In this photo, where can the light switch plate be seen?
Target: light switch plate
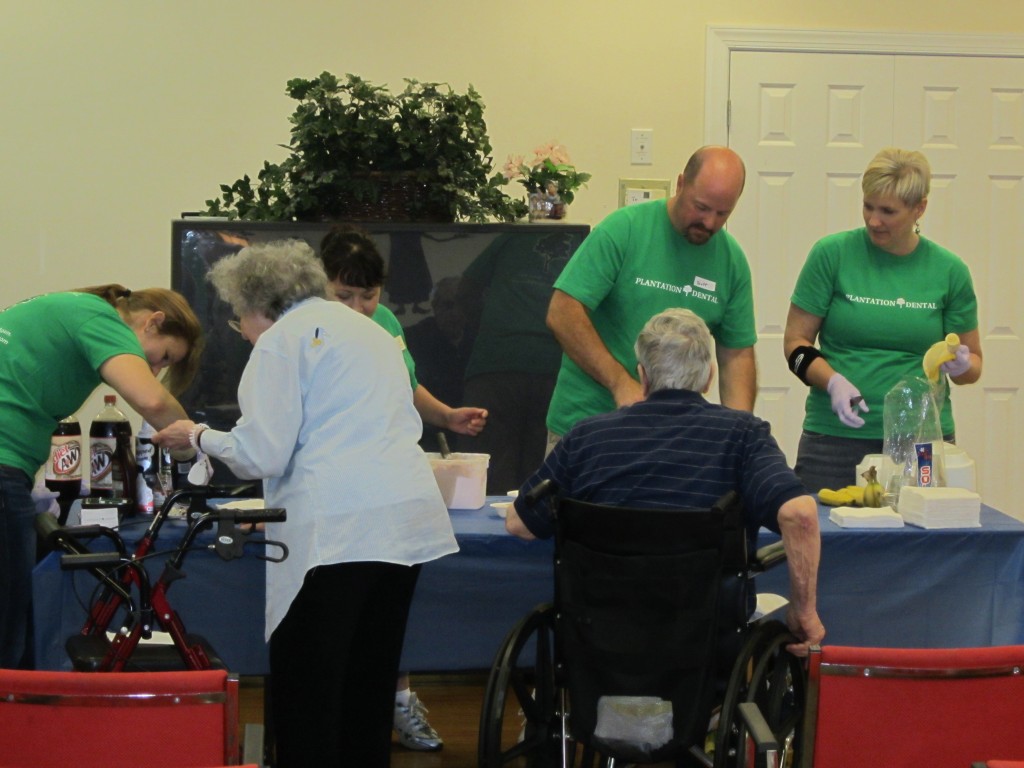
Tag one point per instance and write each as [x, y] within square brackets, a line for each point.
[632, 191]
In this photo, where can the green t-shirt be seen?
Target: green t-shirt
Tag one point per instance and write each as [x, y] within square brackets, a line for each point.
[386, 319]
[51, 350]
[633, 266]
[880, 314]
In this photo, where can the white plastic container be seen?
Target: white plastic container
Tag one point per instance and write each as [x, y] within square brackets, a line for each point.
[462, 478]
[960, 471]
[958, 468]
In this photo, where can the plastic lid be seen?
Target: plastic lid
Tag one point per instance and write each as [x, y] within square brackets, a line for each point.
[109, 399]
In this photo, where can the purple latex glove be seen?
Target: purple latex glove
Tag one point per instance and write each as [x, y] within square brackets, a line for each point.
[960, 364]
[45, 499]
[846, 399]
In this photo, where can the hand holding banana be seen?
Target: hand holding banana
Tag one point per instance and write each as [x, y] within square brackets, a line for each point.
[846, 399]
[948, 356]
[960, 364]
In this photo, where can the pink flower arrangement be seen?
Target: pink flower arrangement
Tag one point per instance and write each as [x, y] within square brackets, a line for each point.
[551, 171]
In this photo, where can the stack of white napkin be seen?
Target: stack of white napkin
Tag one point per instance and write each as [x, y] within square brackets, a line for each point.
[940, 507]
[865, 517]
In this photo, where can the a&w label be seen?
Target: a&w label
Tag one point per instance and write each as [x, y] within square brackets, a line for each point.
[65, 459]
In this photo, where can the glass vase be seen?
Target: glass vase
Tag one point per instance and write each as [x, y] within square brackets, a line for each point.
[540, 206]
[546, 206]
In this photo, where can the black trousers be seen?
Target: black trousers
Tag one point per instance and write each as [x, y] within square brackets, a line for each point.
[333, 663]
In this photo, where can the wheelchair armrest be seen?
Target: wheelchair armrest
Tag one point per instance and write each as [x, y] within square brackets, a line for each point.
[766, 746]
[541, 490]
[767, 557]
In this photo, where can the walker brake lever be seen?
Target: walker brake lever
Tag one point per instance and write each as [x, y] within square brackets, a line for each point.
[272, 558]
[231, 542]
[231, 539]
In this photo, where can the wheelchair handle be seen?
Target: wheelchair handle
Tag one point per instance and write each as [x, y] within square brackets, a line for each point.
[768, 556]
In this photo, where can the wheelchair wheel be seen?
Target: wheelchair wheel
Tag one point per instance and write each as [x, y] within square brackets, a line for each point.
[521, 721]
[766, 673]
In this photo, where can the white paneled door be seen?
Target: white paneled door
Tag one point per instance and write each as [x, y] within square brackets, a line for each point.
[807, 122]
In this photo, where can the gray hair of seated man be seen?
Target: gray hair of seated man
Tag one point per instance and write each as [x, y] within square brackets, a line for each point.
[268, 278]
[674, 348]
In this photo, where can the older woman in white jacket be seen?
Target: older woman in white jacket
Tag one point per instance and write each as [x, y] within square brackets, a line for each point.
[328, 423]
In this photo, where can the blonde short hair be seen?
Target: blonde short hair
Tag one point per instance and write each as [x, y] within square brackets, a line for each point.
[901, 173]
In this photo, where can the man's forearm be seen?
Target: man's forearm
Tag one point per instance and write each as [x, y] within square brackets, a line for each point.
[571, 325]
[737, 377]
[798, 522]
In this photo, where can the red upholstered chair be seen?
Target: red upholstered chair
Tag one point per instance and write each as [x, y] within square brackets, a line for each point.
[940, 708]
[186, 719]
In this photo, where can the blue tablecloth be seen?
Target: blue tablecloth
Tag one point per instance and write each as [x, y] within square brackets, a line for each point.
[914, 588]
[896, 587]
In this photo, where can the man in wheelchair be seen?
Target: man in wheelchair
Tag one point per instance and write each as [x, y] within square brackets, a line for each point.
[676, 450]
[644, 490]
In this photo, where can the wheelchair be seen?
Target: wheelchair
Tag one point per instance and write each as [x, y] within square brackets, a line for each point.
[127, 605]
[647, 633]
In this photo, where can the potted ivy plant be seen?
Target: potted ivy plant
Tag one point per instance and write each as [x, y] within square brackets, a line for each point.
[359, 152]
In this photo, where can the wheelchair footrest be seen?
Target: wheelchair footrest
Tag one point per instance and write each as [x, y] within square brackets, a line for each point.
[87, 653]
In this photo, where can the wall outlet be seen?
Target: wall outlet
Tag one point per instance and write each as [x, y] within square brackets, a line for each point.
[641, 142]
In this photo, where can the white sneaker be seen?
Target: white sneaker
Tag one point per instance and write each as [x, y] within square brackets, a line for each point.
[414, 732]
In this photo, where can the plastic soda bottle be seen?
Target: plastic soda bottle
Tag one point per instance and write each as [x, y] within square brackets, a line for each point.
[63, 472]
[112, 462]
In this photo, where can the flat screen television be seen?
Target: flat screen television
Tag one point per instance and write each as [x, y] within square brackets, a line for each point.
[471, 298]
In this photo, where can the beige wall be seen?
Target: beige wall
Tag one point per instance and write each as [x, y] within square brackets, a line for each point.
[116, 116]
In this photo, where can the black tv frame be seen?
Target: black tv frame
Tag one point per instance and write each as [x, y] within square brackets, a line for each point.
[444, 251]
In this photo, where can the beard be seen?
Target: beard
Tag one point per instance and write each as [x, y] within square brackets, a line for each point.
[697, 234]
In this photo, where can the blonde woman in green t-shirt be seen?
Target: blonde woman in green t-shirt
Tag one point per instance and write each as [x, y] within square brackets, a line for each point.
[874, 299]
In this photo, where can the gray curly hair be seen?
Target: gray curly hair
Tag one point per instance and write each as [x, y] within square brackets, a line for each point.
[674, 348]
[268, 278]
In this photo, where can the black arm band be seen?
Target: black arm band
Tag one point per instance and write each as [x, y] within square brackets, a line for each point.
[800, 360]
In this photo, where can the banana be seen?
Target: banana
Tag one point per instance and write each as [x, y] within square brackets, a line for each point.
[874, 494]
[937, 354]
[840, 498]
[857, 494]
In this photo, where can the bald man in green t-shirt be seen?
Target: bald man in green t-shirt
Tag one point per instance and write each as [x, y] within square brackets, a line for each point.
[641, 260]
